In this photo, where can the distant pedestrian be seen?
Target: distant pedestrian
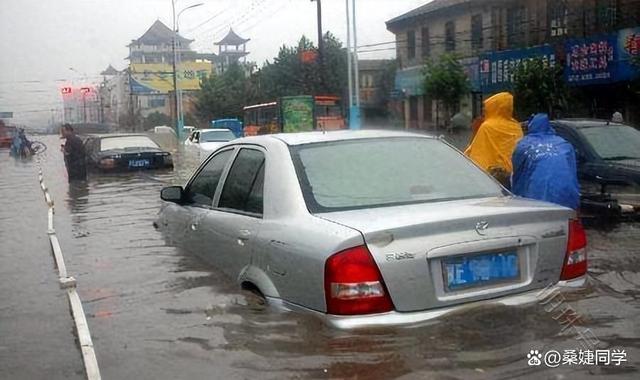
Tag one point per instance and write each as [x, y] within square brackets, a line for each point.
[74, 155]
[496, 138]
[617, 117]
[544, 166]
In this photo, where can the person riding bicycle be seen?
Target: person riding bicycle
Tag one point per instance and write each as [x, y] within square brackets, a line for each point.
[21, 146]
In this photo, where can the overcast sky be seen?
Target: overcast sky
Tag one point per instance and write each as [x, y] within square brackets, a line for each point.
[41, 40]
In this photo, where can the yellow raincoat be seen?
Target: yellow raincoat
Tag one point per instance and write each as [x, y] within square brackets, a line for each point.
[493, 145]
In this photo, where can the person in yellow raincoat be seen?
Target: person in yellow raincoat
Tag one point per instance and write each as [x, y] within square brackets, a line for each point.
[496, 139]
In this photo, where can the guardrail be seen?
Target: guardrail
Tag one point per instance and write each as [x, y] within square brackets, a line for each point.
[68, 283]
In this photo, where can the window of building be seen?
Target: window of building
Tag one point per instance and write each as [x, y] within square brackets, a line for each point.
[425, 43]
[156, 102]
[558, 18]
[450, 36]
[476, 32]
[516, 26]
[606, 15]
[411, 44]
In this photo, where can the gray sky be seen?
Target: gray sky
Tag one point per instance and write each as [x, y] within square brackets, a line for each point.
[41, 39]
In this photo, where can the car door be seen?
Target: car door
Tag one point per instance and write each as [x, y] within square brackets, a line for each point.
[181, 220]
[226, 233]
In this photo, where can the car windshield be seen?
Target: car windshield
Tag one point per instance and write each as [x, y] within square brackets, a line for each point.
[614, 142]
[125, 142]
[213, 136]
[374, 172]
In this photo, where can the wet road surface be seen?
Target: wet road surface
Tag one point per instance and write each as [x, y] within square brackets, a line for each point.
[156, 312]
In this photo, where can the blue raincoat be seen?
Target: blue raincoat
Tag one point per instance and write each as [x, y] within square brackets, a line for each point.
[544, 166]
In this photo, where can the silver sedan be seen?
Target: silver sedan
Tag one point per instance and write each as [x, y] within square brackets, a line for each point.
[370, 228]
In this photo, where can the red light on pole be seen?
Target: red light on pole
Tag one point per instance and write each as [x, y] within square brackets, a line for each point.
[66, 90]
[85, 90]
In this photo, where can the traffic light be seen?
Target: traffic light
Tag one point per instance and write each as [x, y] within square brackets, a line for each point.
[66, 90]
[85, 90]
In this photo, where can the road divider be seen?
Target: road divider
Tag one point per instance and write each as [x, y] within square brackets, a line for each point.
[68, 283]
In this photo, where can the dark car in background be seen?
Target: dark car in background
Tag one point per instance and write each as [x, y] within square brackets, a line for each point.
[121, 152]
[608, 161]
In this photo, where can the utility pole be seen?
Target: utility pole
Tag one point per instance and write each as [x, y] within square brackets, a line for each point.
[350, 79]
[320, 43]
[175, 80]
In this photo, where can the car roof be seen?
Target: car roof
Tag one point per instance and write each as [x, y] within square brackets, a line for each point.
[586, 123]
[214, 129]
[319, 136]
[106, 135]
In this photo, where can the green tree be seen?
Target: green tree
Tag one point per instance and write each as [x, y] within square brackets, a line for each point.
[224, 95]
[288, 74]
[446, 82]
[539, 87]
[155, 119]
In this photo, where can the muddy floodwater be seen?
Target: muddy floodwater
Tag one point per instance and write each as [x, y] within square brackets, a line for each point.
[156, 312]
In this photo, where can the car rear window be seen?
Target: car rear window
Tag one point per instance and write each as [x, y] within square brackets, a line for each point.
[613, 141]
[124, 142]
[366, 173]
[212, 136]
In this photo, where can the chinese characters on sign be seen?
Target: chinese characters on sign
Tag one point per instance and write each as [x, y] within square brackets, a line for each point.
[497, 69]
[590, 61]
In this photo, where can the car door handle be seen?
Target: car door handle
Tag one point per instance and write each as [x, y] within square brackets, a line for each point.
[244, 236]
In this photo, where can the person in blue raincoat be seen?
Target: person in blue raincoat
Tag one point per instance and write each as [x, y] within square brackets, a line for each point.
[544, 166]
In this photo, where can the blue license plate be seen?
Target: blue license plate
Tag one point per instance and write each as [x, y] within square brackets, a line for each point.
[139, 163]
[478, 270]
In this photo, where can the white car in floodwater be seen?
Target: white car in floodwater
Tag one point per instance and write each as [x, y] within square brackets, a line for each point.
[208, 140]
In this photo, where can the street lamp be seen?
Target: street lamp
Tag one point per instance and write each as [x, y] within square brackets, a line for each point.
[178, 98]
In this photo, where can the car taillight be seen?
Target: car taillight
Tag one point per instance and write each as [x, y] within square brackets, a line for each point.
[353, 284]
[575, 262]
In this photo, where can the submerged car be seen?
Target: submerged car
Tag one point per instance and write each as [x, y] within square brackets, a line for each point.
[608, 162]
[114, 152]
[369, 228]
[208, 140]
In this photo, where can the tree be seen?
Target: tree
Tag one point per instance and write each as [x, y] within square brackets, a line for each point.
[224, 95]
[446, 82]
[155, 119]
[539, 87]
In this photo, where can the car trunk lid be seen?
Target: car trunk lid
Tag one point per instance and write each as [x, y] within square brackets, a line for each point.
[427, 251]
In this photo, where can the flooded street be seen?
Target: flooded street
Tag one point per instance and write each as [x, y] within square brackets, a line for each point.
[156, 312]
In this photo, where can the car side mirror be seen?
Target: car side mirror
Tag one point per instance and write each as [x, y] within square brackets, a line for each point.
[173, 194]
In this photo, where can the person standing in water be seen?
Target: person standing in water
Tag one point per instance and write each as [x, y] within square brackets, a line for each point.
[74, 154]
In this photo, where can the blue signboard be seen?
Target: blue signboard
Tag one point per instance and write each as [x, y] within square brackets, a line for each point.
[591, 60]
[497, 68]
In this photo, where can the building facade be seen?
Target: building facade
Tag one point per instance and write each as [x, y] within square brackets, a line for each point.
[491, 36]
[150, 71]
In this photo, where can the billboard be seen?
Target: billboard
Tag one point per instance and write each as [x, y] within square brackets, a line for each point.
[628, 49]
[157, 78]
[297, 113]
[590, 60]
[497, 68]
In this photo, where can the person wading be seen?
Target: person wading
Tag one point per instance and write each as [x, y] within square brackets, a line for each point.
[544, 166]
[496, 138]
[74, 155]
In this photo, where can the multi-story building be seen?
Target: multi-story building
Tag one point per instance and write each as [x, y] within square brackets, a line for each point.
[491, 36]
[373, 91]
[151, 68]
